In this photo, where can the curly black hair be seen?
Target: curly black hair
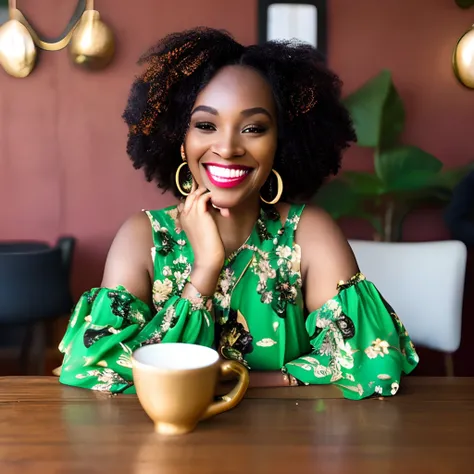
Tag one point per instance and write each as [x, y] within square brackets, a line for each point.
[313, 125]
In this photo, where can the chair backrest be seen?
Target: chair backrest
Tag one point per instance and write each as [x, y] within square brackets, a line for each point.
[34, 284]
[424, 282]
[67, 246]
[22, 246]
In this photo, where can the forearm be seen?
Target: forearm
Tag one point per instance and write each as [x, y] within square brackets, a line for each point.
[202, 280]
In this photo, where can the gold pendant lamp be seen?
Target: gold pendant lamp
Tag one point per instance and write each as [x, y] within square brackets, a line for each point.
[463, 59]
[17, 47]
[91, 42]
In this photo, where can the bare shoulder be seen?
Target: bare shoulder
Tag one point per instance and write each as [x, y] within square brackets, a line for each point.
[326, 256]
[129, 261]
[319, 230]
[136, 229]
[313, 216]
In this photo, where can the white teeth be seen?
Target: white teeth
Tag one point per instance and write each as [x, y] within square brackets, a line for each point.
[219, 172]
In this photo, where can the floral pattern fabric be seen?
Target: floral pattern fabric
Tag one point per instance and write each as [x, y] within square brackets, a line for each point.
[256, 316]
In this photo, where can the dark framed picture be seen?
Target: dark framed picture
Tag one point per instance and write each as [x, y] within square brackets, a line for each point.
[4, 16]
[294, 19]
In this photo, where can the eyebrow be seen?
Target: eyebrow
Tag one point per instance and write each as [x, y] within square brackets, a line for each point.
[255, 111]
[244, 113]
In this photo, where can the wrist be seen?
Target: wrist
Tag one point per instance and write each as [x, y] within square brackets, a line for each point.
[204, 280]
[197, 300]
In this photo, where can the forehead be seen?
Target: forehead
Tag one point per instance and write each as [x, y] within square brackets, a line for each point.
[237, 87]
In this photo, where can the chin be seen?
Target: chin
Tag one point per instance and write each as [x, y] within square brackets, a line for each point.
[229, 196]
[224, 202]
[227, 199]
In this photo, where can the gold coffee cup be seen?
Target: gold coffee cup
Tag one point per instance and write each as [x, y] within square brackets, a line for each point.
[176, 384]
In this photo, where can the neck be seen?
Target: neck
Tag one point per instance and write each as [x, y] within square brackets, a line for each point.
[236, 228]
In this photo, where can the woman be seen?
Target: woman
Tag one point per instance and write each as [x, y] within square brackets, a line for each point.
[242, 132]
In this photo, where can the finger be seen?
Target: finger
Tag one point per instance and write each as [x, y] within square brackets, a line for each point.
[224, 212]
[180, 207]
[189, 204]
[201, 187]
[191, 198]
[202, 203]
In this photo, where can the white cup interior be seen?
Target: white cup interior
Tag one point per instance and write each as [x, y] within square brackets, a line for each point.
[176, 356]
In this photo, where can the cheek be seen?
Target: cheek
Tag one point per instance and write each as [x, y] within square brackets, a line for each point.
[194, 144]
[195, 147]
[264, 152]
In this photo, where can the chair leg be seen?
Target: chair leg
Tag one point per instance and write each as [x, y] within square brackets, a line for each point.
[26, 350]
[449, 364]
[40, 348]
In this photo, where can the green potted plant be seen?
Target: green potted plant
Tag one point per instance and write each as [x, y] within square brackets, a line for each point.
[405, 177]
[465, 3]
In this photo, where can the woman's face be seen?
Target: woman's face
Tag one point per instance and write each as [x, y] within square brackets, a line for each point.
[232, 136]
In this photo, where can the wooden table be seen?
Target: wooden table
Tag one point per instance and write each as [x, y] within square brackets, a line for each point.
[427, 428]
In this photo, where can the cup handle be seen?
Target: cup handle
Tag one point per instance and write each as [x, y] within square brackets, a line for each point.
[234, 397]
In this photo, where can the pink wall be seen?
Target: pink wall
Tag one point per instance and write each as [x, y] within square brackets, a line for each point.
[63, 167]
[414, 39]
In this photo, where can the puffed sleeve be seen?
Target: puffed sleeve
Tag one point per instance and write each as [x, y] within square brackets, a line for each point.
[107, 325]
[359, 344]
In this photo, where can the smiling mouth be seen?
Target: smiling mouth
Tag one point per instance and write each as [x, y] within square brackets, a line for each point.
[226, 176]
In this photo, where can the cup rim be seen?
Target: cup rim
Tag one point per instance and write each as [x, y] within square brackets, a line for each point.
[149, 367]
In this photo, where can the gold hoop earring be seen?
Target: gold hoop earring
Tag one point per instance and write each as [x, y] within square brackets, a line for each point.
[187, 186]
[279, 192]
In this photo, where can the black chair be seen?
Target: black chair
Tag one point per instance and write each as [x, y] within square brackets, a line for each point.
[34, 288]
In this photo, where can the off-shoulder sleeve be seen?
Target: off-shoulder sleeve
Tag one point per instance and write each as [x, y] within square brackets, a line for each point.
[359, 344]
[107, 325]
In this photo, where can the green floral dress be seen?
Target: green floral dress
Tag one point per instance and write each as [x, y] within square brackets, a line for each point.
[355, 340]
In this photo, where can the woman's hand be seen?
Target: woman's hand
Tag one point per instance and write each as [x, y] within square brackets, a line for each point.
[260, 379]
[197, 221]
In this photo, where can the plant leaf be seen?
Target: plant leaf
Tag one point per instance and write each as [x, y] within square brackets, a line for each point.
[393, 118]
[337, 198]
[465, 3]
[406, 168]
[422, 196]
[377, 111]
[364, 184]
[448, 179]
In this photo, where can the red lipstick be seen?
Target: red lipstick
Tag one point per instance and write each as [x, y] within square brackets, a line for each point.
[226, 176]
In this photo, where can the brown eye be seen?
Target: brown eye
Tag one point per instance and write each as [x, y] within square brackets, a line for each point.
[254, 129]
[206, 126]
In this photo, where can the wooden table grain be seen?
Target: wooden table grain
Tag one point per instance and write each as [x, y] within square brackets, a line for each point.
[427, 428]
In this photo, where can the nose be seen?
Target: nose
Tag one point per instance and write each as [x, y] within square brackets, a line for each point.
[228, 145]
